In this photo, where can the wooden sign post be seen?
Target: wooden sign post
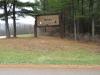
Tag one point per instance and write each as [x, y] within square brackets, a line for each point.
[35, 27]
[49, 20]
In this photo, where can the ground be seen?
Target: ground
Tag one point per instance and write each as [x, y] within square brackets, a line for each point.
[48, 50]
[48, 71]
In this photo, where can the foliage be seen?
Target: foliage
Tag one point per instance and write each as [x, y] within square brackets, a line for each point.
[73, 10]
[9, 7]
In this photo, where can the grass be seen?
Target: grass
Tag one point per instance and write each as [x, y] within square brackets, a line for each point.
[48, 51]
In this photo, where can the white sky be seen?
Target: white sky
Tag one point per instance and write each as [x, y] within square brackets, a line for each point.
[27, 0]
[1, 11]
[26, 19]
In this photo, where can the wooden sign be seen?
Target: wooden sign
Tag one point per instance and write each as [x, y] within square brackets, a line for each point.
[48, 20]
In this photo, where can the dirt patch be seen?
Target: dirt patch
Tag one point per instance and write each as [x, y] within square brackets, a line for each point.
[48, 43]
[96, 67]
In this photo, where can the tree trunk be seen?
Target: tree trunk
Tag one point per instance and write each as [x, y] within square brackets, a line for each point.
[78, 25]
[82, 7]
[93, 24]
[6, 20]
[93, 28]
[74, 14]
[14, 19]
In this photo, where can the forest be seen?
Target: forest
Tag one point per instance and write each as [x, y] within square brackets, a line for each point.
[81, 18]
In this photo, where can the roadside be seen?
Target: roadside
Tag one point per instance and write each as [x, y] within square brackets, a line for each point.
[48, 50]
[47, 71]
[95, 67]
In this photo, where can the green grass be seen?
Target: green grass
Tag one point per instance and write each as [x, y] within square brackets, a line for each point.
[48, 51]
[79, 57]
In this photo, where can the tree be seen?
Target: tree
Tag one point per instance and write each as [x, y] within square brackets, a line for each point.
[93, 24]
[14, 18]
[81, 14]
[12, 5]
[6, 19]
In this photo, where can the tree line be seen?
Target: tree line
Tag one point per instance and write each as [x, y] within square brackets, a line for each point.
[9, 7]
[79, 16]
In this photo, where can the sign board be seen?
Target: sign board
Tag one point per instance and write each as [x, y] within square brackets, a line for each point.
[48, 20]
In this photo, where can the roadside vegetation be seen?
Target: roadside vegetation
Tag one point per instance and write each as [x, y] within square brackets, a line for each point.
[48, 50]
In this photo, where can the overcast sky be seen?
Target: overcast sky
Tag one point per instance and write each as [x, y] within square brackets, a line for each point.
[26, 20]
[27, 0]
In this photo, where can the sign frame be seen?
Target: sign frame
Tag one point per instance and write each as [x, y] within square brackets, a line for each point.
[48, 23]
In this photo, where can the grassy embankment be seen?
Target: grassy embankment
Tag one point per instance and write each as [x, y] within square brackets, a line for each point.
[48, 51]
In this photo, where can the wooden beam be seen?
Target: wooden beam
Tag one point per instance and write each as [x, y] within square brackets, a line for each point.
[35, 27]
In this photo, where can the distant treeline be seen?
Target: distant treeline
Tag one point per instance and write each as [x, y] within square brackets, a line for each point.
[21, 29]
